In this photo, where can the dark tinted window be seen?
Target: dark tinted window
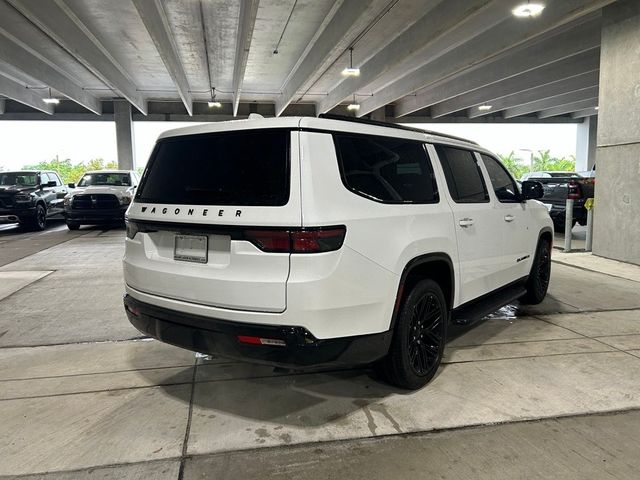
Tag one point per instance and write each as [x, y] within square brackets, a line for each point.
[236, 168]
[386, 169]
[502, 183]
[463, 175]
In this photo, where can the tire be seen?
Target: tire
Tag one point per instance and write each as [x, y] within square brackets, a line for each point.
[538, 281]
[73, 226]
[413, 359]
[39, 221]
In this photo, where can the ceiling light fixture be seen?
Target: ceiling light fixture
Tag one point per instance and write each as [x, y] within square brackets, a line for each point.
[527, 10]
[596, 108]
[350, 71]
[484, 108]
[50, 100]
[353, 107]
[213, 103]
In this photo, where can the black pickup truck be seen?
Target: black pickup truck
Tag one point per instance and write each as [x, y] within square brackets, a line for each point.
[30, 198]
[560, 186]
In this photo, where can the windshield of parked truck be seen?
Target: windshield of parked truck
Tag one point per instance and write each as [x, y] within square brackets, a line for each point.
[21, 179]
[111, 179]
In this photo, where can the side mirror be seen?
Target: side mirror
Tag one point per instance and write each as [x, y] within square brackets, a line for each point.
[71, 185]
[532, 190]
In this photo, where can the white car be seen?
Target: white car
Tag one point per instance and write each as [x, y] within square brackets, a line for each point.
[311, 241]
[100, 197]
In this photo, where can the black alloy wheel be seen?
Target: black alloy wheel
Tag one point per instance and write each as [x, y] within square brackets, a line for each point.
[419, 337]
[41, 217]
[538, 281]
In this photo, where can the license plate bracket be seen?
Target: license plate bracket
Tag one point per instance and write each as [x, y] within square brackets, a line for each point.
[191, 248]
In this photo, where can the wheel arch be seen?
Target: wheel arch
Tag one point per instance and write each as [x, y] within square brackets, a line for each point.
[435, 266]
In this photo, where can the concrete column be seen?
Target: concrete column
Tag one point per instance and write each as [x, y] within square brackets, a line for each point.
[586, 143]
[124, 134]
[1, 106]
[616, 227]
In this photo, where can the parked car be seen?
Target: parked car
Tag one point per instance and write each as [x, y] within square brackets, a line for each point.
[313, 241]
[30, 197]
[101, 197]
[560, 186]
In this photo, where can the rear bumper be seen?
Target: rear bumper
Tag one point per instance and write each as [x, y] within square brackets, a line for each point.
[89, 216]
[220, 337]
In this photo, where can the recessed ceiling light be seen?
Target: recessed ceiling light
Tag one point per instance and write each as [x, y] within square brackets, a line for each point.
[354, 107]
[528, 10]
[484, 108]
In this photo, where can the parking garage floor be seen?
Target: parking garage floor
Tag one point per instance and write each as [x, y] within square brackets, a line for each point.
[531, 392]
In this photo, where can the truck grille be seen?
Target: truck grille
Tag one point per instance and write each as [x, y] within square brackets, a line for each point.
[99, 201]
[6, 202]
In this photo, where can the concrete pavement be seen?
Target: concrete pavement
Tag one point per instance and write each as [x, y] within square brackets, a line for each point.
[82, 396]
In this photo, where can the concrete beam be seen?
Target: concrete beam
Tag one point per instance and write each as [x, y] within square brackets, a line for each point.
[124, 134]
[513, 33]
[587, 112]
[551, 102]
[58, 21]
[531, 85]
[440, 30]
[332, 37]
[31, 59]
[246, 22]
[155, 20]
[580, 42]
[569, 108]
[561, 87]
[21, 94]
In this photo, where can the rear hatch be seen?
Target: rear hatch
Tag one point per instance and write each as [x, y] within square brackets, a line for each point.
[202, 212]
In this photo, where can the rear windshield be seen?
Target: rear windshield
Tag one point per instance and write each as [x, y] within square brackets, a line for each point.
[232, 168]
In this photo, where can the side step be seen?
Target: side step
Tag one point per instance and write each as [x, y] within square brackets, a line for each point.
[480, 308]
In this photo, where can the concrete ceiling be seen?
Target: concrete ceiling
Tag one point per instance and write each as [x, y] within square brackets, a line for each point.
[420, 60]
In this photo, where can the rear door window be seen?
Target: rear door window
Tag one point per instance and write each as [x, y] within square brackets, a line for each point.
[249, 167]
[463, 175]
[386, 169]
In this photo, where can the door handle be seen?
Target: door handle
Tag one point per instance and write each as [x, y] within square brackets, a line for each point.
[466, 222]
[509, 218]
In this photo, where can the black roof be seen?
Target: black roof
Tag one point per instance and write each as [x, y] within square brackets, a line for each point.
[367, 121]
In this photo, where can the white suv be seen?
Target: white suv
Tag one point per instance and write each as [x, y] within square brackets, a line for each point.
[308, 241]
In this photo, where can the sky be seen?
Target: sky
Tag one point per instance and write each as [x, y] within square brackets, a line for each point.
[28, 142]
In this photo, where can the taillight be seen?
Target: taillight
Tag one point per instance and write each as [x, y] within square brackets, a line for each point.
[574, 192]
[304, 240]
[269, 240]
[132, 228]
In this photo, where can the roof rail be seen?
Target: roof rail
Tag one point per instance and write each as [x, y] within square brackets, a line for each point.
[367, 121]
